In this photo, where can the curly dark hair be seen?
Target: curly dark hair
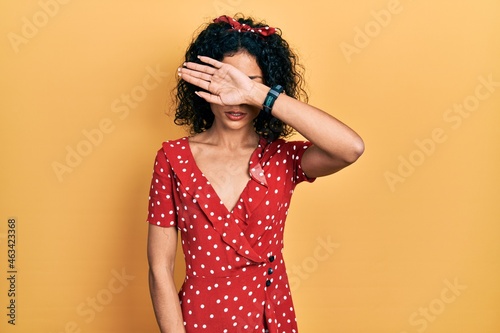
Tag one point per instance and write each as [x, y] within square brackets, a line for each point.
[279, 65]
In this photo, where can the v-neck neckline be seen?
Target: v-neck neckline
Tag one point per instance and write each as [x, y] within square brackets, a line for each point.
[209, 183]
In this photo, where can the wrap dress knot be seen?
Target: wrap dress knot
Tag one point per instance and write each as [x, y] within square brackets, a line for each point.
[236, 278]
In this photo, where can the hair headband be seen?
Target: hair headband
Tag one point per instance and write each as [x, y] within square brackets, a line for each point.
[242, 27]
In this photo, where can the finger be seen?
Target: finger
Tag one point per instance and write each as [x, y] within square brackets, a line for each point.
[203, 84]
[211, 61]
[200, 67]
[193, 73]
[214, 99]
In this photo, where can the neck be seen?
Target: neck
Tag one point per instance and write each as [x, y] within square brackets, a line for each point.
[232, 139]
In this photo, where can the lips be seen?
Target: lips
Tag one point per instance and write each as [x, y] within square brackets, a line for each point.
[235, 116]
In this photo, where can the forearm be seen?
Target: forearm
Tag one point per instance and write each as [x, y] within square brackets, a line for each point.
[330, 135]
[165, 301]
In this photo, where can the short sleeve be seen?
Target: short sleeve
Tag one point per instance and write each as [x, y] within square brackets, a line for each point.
[162, 210]
[296, 150]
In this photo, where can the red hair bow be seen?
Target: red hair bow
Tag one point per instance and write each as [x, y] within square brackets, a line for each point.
[242, 27]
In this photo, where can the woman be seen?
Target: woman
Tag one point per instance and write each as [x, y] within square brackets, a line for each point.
[227, 188]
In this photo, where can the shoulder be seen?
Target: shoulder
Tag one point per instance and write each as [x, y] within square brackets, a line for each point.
[177, 142]
[169, 149]
[170, 146]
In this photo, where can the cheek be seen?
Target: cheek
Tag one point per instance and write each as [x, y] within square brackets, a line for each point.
[215, 108]
[252, 109]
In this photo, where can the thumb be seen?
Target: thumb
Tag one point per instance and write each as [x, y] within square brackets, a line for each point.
[209, 97]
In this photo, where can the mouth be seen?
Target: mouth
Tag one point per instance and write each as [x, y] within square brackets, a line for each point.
[235, 116]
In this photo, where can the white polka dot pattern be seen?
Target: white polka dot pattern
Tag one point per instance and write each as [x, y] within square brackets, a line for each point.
[235, 275]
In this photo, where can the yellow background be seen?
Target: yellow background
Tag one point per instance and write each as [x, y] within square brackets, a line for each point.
[396, 244]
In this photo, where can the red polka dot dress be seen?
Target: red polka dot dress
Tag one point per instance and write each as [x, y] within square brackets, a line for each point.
[235, 273]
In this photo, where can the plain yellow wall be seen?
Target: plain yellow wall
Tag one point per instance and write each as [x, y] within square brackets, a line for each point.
[404, 241]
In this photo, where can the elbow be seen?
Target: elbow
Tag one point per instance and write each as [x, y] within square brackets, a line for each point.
[160, 272]
[153, 275]
[356, 149]
[159, 279]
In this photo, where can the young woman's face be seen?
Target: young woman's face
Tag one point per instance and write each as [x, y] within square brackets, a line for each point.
[239, 116]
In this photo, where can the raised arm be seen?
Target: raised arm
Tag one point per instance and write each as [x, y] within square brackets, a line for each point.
[162, 246]
[335, 145]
